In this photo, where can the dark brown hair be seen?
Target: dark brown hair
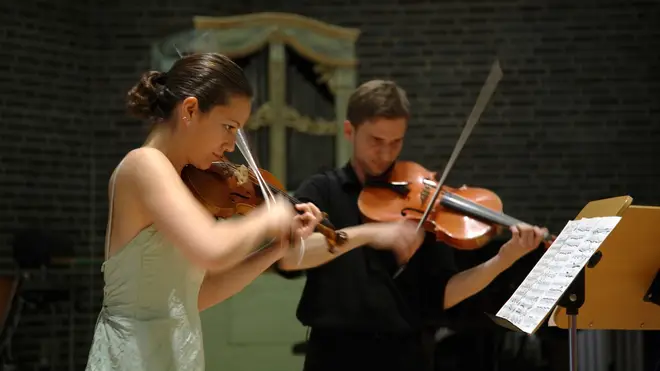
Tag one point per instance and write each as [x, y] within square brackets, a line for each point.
[377, 99]
[210, 77]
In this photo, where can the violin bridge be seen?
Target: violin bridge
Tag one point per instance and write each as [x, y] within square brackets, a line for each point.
[425, 193]
[429, 183]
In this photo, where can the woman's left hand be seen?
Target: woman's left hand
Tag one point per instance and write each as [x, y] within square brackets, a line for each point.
[307, 221]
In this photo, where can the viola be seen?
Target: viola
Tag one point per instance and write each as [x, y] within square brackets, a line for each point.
[227, 189]
[465, 218]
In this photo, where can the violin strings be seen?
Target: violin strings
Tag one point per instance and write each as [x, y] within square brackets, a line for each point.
[464, 205]
[243, 147]
[254, 179]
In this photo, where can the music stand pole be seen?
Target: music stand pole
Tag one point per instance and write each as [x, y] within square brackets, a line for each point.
[572, 300]
[572, 341]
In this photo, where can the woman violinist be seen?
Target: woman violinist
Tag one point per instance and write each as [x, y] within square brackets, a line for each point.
[166, 257]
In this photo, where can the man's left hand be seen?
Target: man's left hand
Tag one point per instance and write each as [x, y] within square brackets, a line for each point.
[524, 239]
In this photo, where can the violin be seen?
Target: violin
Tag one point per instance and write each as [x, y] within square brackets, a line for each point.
[465, 218]
[227, 189]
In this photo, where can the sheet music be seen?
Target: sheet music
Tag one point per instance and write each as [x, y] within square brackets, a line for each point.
[555, 271]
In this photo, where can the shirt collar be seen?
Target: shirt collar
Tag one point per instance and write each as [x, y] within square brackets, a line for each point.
[348, 177]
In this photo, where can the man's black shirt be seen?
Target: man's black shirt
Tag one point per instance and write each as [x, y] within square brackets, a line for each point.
[356, 293]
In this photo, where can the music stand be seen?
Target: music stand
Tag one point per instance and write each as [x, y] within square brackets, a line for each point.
[620, 289]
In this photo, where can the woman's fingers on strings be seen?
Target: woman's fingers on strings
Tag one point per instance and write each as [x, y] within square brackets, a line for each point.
[304, 207]
[316, 211]
[306, 218]
[312, 209]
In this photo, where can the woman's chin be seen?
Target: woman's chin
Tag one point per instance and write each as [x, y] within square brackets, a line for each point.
[209, 164]
[209, 161]
[203, 164]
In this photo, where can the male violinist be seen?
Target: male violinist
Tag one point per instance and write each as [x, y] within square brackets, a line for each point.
[361, 316]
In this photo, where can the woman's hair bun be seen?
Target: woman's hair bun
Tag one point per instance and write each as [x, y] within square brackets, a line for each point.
[142, 99]
[211, 78]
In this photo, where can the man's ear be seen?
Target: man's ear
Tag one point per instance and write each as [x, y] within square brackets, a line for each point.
[349, 131]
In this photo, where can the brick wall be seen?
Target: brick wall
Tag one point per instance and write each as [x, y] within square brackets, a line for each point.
[64, 72]
[45, 138]
[574, 118]
[44, 84]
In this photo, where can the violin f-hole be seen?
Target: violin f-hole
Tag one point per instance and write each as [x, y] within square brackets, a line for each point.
[239, 195]
[406, 210]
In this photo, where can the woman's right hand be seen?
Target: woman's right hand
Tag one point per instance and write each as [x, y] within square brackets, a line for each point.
[402, 238]
[279, 218]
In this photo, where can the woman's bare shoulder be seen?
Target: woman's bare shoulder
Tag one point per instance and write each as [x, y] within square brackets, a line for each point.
[144, 167]
[144, 174]
[146, 159]
[140, 171]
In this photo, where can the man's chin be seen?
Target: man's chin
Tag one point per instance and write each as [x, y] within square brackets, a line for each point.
[378, 171]
[375, 174]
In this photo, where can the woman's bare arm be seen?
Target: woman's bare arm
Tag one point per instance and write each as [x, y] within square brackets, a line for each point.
[316, 251]
[402, 238]
[219, 286]
[183, 220]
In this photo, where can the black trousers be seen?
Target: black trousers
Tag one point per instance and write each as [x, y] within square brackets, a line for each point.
[352, 351]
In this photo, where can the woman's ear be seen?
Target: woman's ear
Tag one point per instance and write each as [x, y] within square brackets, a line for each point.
[189, 108]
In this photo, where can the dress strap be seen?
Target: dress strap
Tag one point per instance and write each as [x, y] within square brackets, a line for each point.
[108, 231]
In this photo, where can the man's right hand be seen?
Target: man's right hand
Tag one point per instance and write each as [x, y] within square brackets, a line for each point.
[402, 238]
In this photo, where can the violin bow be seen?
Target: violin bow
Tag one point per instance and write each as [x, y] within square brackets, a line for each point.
[242, 145]
[485, 94]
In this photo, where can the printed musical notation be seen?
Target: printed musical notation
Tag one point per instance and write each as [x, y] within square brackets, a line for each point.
[555, 271]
